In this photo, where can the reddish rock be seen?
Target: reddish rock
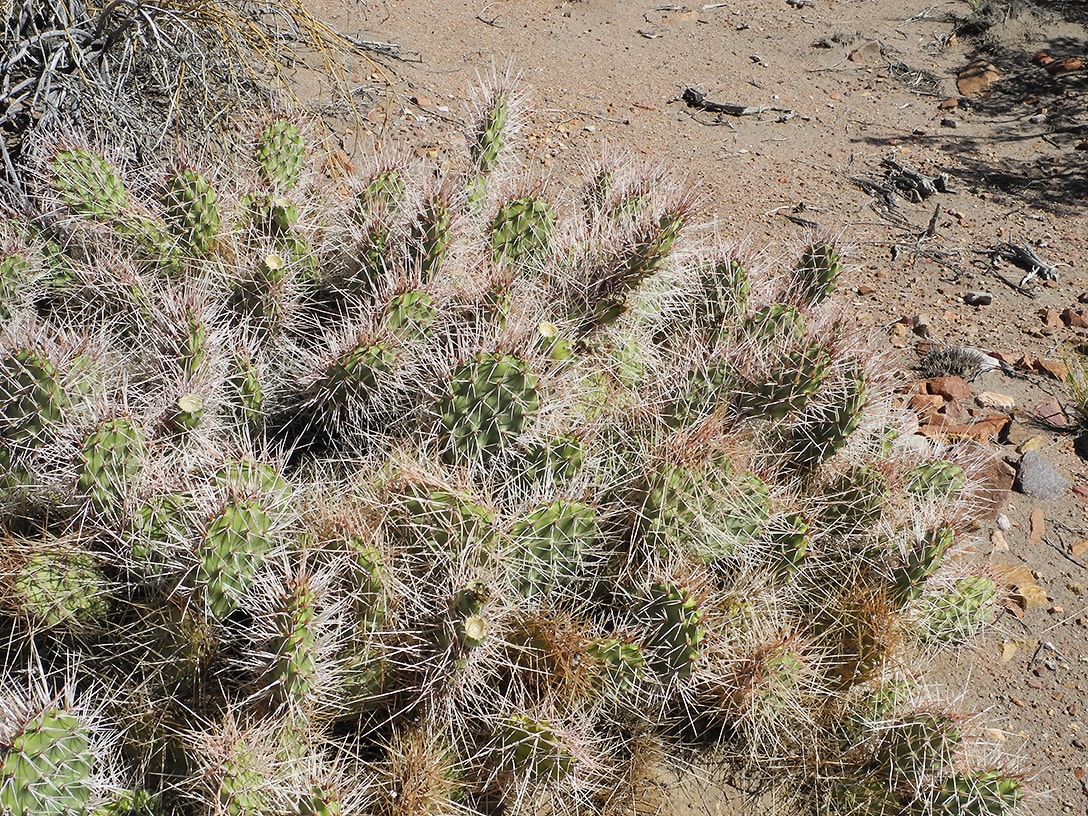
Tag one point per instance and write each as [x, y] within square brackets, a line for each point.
[941, 426]
[1038, 527]
[1081, 492]
[1054, 369]
[951, 388]
[1051, 412]
[1051, 318]
[1077, 318]
[987, 428]
[996, 478]
[926, 405]
[957, 411]
[976, 78]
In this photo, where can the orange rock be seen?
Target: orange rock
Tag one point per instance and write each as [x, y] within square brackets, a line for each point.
[1055, 369]
[1069, 65]
[926, 405]
[976, 78]
[1037, 527]
[951, 388]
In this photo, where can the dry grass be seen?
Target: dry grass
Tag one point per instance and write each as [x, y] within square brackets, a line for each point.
[153, 70]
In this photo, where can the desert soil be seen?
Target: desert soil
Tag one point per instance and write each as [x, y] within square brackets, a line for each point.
[848, 84]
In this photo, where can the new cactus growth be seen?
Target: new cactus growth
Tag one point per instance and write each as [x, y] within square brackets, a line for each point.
[676, 630]
[520, 231]
[88, 184]
[110, 463]
[816, 276]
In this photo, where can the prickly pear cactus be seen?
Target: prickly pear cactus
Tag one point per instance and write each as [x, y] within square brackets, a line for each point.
[420, 493]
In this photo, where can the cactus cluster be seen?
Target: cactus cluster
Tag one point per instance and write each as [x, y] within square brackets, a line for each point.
[408, 498]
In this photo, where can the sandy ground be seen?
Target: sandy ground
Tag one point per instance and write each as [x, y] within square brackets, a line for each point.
[848, 84]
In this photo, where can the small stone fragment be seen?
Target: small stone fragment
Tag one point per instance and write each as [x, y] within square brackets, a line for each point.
[1037, 478]
[1081, 492]
[1079, 549]
[1003, 523]
[996, 400]
[1038, 527]
[1051, 412]
[997, 539]
[978, 298]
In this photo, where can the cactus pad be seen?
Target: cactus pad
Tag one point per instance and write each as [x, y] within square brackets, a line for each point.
[489, 403]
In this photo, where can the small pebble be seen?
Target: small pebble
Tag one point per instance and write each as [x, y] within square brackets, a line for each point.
[949, 123]
[1003, 522]
[978, 298]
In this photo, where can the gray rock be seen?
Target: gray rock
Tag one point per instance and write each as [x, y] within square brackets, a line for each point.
[1036, 477]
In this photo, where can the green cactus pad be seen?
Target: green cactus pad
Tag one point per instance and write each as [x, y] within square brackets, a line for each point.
[111, 461]
[432, 235]
[381, 195]
[824, 426]
[192, 210]
[232, 552]
[922, 560]
[550, 549]
[410, 314]
[521, 231]
[47, 767]
[958, 612]
[291, 675]
[88, 184]
[487, 142]
[815, 277]
[675, 619]
[245, 394]
[622, 664]
[281, 154]
[854, 500]
[14, 271]
[32, 396]
[936, 479]
[60, 590]
[442, 520]
[490, 401]
[531, 749]
[916, 747]
[979, 793]
[787, 386]
[776, 326]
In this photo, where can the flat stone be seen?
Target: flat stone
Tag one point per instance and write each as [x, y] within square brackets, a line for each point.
[987, 428]
[1036, 477]
[951, 388]
[1076, 318]
[957, 411]
[1051, 412]
[996, 400]
[926, 405]
[1055, 369]
[996, 479]
[976, 78]
[1051, 318]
